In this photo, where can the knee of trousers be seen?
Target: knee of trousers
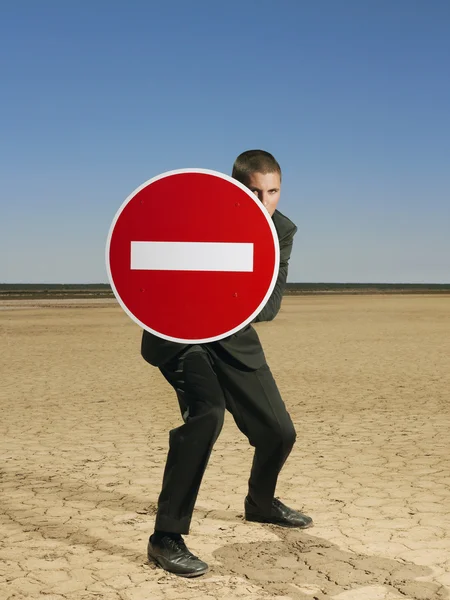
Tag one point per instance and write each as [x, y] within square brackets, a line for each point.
[203, 428]
[290, 436]
[279, 436]
[213, 419]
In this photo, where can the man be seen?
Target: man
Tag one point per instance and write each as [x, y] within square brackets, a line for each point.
[231, 374]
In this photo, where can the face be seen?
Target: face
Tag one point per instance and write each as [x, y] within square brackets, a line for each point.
[267, 188]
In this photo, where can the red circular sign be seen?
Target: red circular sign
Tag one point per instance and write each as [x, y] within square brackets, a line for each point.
[192, 256]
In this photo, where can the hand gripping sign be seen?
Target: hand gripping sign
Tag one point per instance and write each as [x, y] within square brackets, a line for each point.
[192, 256]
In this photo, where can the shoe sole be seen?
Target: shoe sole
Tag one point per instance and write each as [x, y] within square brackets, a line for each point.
[287, 526]
[161, 564]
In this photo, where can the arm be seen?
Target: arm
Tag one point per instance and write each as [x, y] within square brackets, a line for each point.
[272, 307]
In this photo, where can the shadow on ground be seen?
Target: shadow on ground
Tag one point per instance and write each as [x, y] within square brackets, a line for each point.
[298, 566]
[303, 567]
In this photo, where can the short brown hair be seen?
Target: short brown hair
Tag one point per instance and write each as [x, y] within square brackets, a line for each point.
[254, 161]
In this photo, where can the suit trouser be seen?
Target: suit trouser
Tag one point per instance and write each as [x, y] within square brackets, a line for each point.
[207, 384]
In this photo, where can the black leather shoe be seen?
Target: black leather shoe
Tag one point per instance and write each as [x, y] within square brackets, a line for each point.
[280, 515]
[171, 553]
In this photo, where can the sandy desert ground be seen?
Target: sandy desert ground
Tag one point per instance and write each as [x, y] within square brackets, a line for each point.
[83, 440]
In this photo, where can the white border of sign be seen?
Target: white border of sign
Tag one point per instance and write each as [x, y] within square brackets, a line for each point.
[272, 283]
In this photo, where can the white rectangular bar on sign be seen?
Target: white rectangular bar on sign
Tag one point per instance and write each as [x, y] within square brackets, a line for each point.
[192, 256]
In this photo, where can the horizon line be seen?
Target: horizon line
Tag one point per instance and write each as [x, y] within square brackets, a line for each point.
[288, 283]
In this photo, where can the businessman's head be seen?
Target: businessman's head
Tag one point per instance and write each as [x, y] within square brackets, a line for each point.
[260, 172]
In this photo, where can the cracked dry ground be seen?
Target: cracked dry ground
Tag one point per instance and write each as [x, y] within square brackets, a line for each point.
[84, 437]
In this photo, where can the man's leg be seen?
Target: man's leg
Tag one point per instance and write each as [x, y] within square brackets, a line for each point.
[202, 405]
[252, 396]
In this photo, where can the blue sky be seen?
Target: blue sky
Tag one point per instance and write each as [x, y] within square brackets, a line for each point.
[351, 96]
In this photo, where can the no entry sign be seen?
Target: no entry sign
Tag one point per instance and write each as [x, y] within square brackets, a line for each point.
[192, 256]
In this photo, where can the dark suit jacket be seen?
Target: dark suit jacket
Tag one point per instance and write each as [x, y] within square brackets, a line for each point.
[244, 346]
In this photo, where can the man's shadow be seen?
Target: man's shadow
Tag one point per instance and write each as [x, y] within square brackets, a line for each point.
[299, 566]
[53, 491]
[303, 567]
